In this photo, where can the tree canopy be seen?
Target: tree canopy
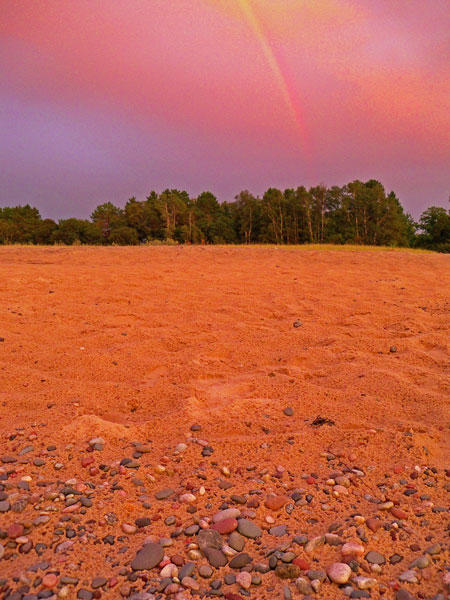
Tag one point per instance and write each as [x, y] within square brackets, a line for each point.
[356, 213]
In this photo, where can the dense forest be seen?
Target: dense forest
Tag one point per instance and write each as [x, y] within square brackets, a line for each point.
[357, 213]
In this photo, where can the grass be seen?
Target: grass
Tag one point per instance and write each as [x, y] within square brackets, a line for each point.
[321, 247]
[339, 247]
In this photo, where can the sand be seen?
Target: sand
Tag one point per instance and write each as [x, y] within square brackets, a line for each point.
[138, 344]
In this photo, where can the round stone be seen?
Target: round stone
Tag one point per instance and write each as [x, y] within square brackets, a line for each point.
[244, 579]
[249, 529]
[339, 572]
[375, 558]
[225, 526]
[50, 580]
[205, 571]
[98, 582]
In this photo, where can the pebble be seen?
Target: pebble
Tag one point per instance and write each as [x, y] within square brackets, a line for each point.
[205, 571]
[339, 572]
[236, 541]
[50, 580]
[129, 529]
[244, 579]
[275, 503]
[303, 586]
[186, 570]
[373, 524]
[364, 583]
[352, 549]
[209, 538]
[316, 542]
[421, 563]
[147, 557]
[225, 526]
[190, 583]
[289, 571]
[408, 577]
[434, 549]
[240, 561]
[98, 582]
[228, 513]
[404, 595]
[359, 594]
[249, 529]
[375, 558]
[215, 557]
[398, 514]
[163, 494]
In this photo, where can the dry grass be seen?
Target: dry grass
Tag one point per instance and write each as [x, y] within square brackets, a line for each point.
[341, 247]
[323, 247]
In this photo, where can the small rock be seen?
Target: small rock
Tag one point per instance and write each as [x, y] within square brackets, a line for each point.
[339, 572]
[190, 583]
[215, 557]
[147, 557]
[375, 558]
[314, 543]
[303, 586]
[275, 502]
[240, 561]
[249, 529]
[420, 563]
[244, 579]
[50, 580]
[289, 571]
[209, 538]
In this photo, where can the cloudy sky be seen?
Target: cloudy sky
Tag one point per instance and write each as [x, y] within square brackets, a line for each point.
[104, 99]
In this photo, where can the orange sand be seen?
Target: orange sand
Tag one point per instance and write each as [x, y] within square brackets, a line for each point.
[140, 343]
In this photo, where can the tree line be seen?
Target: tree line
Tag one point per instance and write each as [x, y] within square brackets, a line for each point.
[357, 213]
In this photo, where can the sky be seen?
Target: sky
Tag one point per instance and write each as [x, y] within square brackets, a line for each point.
[101, 100]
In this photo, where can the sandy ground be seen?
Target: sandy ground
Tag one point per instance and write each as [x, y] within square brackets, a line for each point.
[135, 345]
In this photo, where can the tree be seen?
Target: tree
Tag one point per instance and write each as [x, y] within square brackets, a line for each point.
[43, 231]
[105, 217]
[73, 231]
[434, 229]
[124, 236]
[19, 224]
[274, 207]
[247, 213]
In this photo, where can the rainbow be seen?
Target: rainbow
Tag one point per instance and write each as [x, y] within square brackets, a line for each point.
[287, 90]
